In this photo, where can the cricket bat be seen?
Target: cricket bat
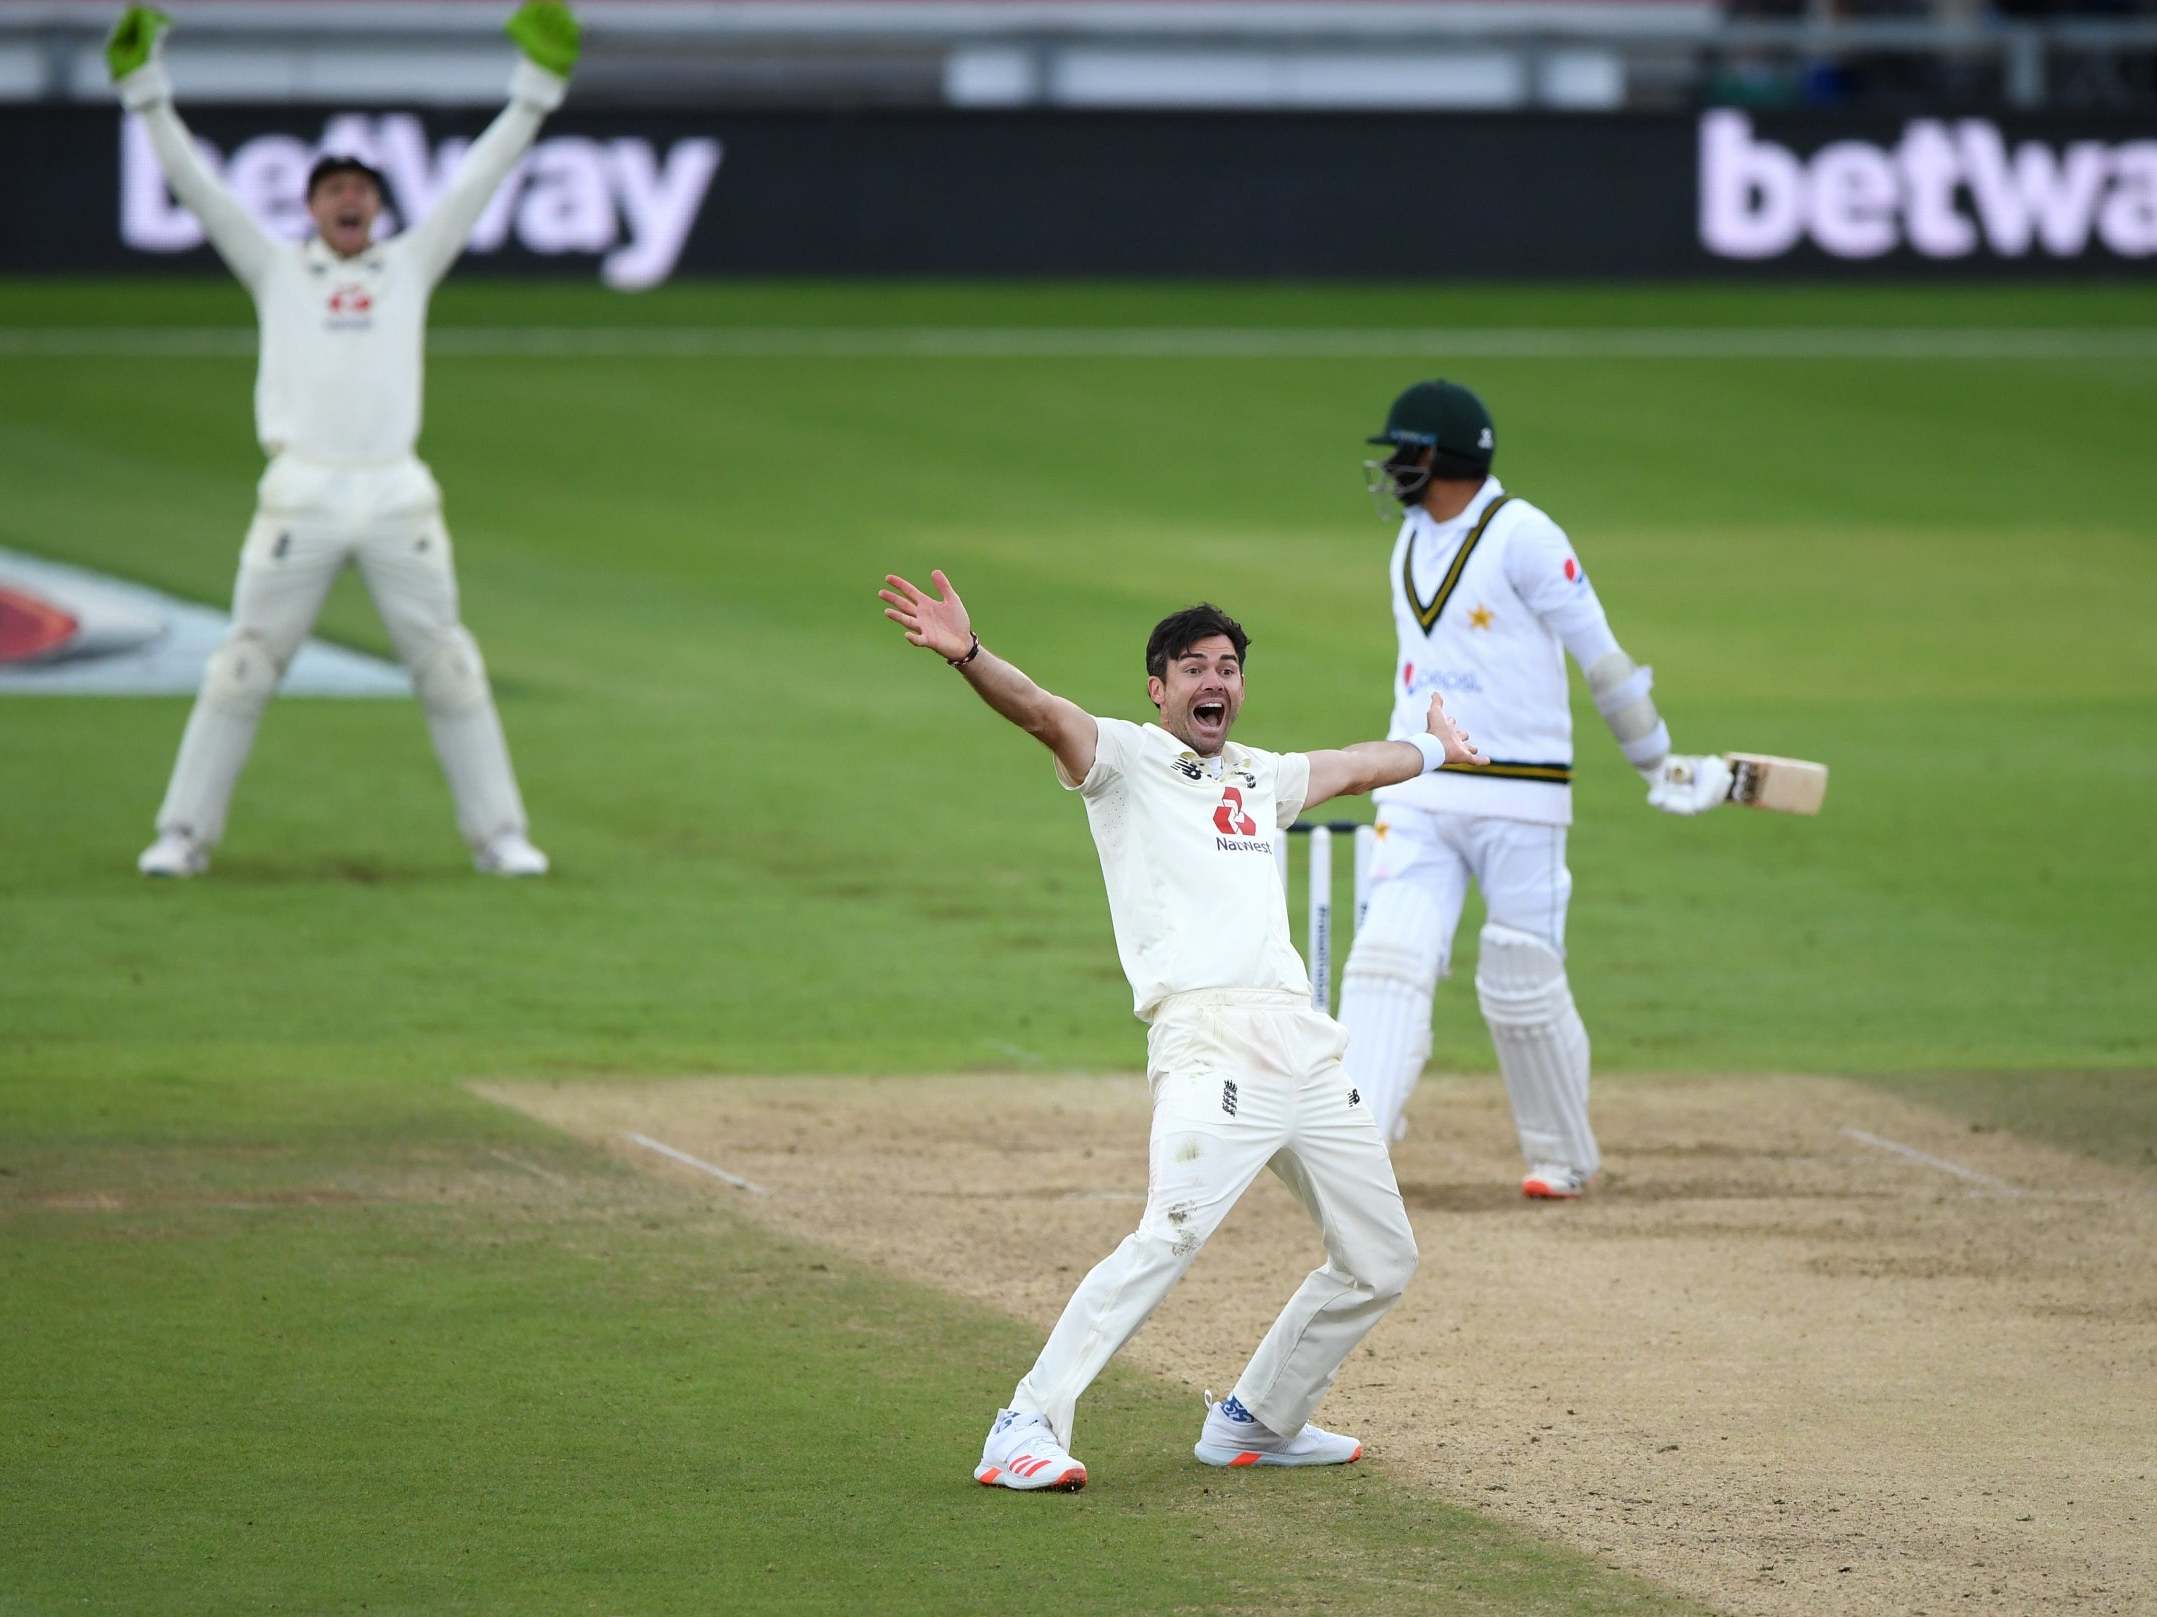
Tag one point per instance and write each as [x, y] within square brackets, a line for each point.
[1781, 785]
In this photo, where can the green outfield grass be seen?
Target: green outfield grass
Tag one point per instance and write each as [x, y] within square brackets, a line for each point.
[308, 1329]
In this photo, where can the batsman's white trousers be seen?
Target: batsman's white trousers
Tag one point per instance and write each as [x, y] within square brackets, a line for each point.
[1519, 865]
[1244, 1080]
[312, 521]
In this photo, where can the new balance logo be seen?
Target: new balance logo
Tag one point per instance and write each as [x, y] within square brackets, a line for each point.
[1228, 1096]
[1355, 1098]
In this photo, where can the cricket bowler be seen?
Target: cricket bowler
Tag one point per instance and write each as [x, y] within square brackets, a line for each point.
[337, 409]
[1488, 597]
[1244, 1073]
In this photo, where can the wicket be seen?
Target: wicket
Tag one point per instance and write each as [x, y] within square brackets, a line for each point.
[1318, 935]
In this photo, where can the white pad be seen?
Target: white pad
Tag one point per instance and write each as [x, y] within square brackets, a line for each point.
[467, 733]
[1542, 1046]
[1393, 969]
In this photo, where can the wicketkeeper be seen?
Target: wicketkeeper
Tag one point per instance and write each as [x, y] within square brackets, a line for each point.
[337, 408]
[1488, 597]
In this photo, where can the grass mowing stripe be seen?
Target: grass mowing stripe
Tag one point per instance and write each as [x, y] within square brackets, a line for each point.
[461, 1389]
[1146, 342]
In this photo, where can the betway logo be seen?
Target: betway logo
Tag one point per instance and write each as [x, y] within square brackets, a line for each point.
[567, 195]
[1945, 190]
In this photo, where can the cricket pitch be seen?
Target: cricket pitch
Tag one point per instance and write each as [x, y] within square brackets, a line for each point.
[1804, 1348]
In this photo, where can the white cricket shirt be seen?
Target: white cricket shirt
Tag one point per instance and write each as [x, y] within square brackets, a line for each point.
[343, 339]
[1485, 607]
[1186, 847]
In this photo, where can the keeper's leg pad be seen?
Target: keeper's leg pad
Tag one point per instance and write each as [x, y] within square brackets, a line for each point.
[451, 680]
[1542, 1046]
[1393, 969]
[238, 681]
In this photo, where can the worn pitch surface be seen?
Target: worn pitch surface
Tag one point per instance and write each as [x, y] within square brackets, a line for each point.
[1768, 1362]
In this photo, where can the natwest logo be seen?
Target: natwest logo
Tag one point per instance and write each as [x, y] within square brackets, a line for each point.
[624, 200]
[1231, 818]
[1944, 190]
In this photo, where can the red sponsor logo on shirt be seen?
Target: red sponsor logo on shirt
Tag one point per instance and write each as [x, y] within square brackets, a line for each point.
[1573, 574]
[1230, 818]
[350, 299]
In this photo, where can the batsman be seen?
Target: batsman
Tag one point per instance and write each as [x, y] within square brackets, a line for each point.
[343, 321]
[1488, 597]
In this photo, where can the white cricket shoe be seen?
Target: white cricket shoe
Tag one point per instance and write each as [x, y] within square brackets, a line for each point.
[174, 853]
[1021, 1452]
[1553, 1182]
[1233, 1437]
[510, 854]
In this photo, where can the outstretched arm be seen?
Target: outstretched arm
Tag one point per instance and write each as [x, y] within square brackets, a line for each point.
[549, 38]
[942, 626]
[145, 89]
[1368, 765]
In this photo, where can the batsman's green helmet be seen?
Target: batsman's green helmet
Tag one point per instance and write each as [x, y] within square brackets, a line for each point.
[1443, 416]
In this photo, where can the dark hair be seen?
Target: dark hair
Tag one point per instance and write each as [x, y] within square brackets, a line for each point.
[1180, 631]
[329, 167]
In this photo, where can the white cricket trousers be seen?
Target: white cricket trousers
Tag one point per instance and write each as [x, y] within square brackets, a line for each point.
[311, 521]
[1244, 1080]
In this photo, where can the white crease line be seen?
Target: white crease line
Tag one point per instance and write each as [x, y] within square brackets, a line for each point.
[528, 1167]
[1930, 1161]
[665, 1150]
[1150, 342]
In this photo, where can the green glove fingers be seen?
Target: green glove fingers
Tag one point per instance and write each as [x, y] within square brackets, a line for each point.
[134, 40]
[546, 32]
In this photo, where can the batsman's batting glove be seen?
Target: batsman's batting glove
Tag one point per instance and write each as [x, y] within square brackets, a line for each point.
[548, 34]
[132, 45]
[1688, 785]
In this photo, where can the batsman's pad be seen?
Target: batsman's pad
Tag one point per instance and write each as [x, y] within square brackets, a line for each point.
[1393, 969]
[1784, 785]
[1542, 1046]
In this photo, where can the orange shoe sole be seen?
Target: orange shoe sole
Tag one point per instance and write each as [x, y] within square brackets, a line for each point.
[1070, 1482]
[1250, 1457]
[1537, 1190]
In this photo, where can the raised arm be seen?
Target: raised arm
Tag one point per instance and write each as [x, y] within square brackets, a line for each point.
[942, 626]
[145, 89]
[1368, 765]
[549, 39]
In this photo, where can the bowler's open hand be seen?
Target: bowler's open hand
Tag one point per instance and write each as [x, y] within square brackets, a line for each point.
[1440, 724]
[940, 625]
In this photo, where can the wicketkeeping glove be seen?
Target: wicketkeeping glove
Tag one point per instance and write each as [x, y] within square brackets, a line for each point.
[546, 32]
[133, 40]
[1687, 785]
